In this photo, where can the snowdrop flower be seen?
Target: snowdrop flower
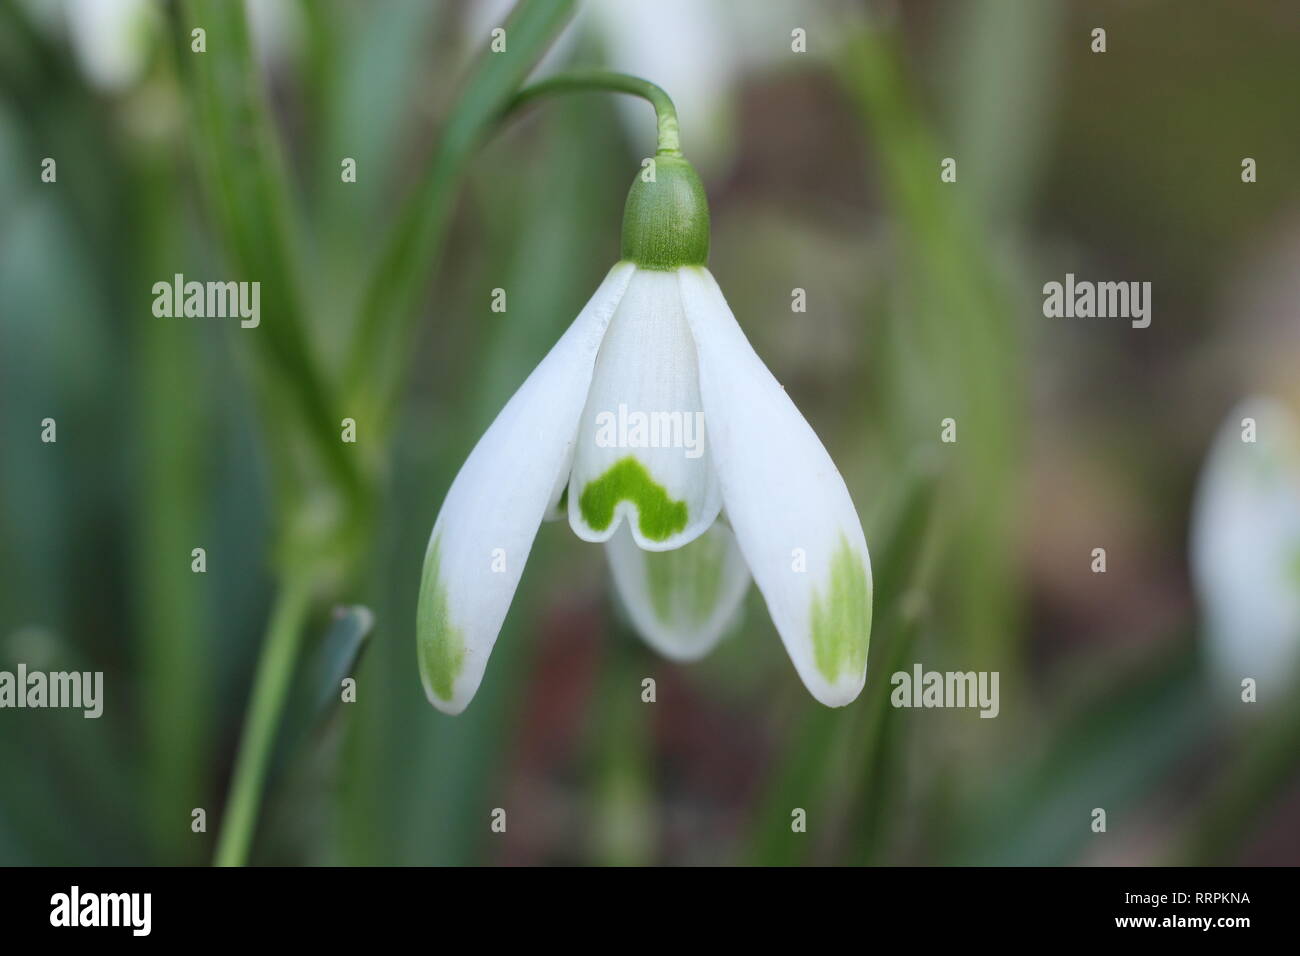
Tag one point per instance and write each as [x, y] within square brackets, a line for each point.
[654, 428]
[1245, 550]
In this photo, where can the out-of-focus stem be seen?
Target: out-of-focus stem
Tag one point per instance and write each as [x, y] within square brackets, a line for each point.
[274, 674]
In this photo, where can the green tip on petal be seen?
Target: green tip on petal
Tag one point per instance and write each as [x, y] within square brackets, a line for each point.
[441, 646]
[666, 219]
[841, 620]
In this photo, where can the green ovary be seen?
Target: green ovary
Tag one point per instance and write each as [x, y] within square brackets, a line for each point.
[658, 516]
[841, 621]
[441, 646]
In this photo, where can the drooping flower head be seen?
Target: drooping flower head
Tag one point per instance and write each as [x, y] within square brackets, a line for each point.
[654, 428]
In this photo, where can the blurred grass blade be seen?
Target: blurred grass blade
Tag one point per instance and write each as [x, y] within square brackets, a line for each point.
[389, 314]
[365, 64]
[960, 320]
[335, 659]
[1268, 762]
[879, 742]
[1003, 91]
[622, 808]
[172, 516]
[250, 195]
[318, 686]
[1110, 752]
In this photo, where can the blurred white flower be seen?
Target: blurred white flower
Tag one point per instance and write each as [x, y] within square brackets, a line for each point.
[276, 28]
[111, 39]
[1245, 551]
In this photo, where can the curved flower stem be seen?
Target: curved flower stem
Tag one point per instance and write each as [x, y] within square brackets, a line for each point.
[588, 81]
[274, 673]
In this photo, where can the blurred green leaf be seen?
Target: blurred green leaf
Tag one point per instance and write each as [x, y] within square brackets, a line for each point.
[1110, 751]
[337, 657]
[1248, 786]
[250, 196]
[964, 344]
[389, 314]
[317, 689]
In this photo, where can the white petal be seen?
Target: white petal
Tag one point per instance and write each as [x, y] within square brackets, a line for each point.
[1245, 546]
[788, 505]
[486, 527]
[642, 452]
[681, 601]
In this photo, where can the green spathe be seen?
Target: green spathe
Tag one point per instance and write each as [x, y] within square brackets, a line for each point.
[659, 517]
[442, 647]
[666, 221]
[841, 619]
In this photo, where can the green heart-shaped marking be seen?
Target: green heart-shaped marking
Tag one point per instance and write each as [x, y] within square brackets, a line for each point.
[658, 516]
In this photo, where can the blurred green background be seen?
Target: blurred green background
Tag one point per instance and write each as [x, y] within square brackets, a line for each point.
[924, 302]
